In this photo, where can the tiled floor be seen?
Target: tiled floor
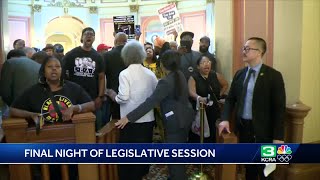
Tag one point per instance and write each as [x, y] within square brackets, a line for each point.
[160, 172]
[156, 172]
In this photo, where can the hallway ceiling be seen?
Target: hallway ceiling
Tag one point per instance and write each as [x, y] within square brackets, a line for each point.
[93, 2]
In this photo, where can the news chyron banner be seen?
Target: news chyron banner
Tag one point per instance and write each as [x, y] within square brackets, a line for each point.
[159, 153]
[170, 18]
[124, 24]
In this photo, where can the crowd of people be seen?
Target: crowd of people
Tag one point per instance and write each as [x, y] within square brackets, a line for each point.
[148, 87]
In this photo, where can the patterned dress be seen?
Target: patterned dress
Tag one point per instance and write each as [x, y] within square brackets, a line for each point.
[159, 129]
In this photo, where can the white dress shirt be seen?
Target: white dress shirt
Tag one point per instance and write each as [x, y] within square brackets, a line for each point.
[136, 84]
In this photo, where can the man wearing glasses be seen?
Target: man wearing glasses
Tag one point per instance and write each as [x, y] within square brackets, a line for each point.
[258, 94]
[83, 65]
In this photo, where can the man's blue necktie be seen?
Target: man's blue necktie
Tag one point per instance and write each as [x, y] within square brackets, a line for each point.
[244, 92]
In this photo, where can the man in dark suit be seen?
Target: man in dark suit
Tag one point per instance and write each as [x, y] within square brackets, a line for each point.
[258, 93]
[113, 66]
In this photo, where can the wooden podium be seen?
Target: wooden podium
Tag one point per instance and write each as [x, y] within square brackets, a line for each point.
[80, 130]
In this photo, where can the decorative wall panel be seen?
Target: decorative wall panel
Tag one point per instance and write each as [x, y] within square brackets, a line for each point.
[19, 28]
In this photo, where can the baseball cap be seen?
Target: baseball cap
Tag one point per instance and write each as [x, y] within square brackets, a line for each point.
[185, 33]
[103, 47]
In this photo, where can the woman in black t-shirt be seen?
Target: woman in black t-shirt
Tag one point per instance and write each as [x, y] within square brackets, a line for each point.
[36, 101]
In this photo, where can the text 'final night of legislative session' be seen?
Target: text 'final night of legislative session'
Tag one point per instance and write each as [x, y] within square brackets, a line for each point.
[119, 153]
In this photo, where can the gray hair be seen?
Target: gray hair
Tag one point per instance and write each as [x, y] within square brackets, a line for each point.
[133, 53]
[28, 50]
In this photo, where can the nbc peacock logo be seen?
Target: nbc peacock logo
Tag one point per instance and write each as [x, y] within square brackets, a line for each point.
[284, 153]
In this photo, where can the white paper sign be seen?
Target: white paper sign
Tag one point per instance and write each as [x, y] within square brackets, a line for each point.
[269, 169]
[170, 18]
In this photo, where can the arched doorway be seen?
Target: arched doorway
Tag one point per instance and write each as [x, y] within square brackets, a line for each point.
[151, 27]
[65, 30]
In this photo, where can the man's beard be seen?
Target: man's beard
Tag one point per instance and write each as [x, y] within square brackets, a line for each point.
[203, 49]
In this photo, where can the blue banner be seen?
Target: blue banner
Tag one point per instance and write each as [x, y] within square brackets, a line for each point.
[159, 153]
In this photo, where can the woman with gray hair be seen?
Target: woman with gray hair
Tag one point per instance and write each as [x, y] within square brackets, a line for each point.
[136, 84]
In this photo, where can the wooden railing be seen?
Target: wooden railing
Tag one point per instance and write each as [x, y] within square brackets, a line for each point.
[108, 134]
[295, 115]
[80, 130]
[294, 122]
[226, 171]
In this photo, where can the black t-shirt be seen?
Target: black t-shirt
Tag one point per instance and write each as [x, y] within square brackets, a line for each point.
[36, 99]
[83, 67]
[205, 86]
[113, 66]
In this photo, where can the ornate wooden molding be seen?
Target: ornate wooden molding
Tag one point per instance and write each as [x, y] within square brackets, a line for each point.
[93, 10]
[65, 4]
[294, 122]
[173, 2]
[134, 8]
[36, 8]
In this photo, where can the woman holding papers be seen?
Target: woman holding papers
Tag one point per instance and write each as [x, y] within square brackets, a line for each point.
[172, 94]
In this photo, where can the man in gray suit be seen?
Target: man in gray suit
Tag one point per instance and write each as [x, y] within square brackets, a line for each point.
[18, 74]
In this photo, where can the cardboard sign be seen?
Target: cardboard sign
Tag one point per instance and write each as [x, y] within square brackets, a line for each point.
[124, 24]
[170, 18]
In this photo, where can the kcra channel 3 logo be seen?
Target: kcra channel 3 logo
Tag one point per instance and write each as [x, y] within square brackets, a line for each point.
[270, 153]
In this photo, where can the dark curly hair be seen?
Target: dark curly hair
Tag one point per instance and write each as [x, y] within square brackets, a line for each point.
[42, 78]
[154, 58]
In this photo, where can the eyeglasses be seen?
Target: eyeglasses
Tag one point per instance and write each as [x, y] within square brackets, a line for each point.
[88, 34]
[206, 62]
[247, 49]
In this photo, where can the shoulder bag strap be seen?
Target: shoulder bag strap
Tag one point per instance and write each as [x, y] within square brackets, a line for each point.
[216, 101]
[55, 105]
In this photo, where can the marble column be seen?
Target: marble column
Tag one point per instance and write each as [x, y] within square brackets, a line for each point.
[95, 24]
[37, 29]
[210, 25]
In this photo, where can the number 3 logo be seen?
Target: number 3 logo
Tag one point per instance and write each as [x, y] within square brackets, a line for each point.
[268, 151]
